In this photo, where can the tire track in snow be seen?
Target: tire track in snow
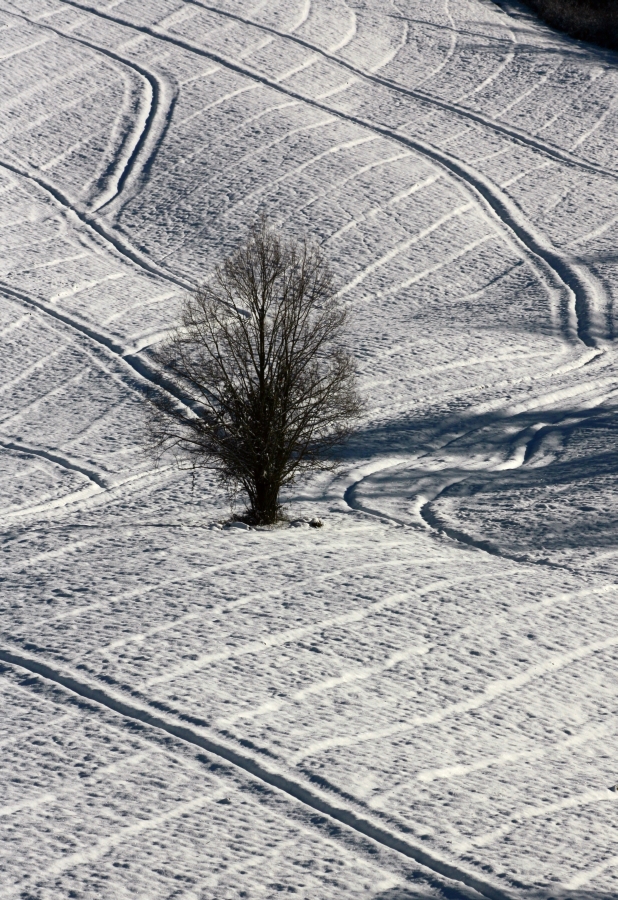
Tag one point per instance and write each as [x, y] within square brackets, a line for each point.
[522, 451]
[293, 635]
[284, 548]
[523, 446]
[515, 134]
[245, 600]
[97, 482]
[307, 794]
[494, 690]
[518, 817]
[137, 151]
[454, 36]
[128, 356]
[58, 459]
[87, 497]
[145, 372]
[97, 226]
[573, 297]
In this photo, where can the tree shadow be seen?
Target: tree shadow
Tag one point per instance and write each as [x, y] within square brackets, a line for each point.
[555, 491]
[427, 431]
[572, 21]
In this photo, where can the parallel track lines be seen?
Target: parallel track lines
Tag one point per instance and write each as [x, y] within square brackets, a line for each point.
[573, 298]
[145, 371]
[513, 133]
[97, 226]
[155, 116]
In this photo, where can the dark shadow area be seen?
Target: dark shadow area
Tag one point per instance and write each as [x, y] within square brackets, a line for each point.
[555, 502]
[426, 430]
[569, 502]
[594, 21]
[510, 7]
[587, 20]
[438, 892]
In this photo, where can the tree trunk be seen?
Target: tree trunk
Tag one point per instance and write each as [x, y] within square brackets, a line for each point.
[265, 501]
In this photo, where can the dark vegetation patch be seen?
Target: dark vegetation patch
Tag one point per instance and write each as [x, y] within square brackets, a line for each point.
[588, 20]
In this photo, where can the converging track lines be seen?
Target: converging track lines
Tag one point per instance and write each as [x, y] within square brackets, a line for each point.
[58, 459]
[97, 226]
[138, 365]
[146, 371]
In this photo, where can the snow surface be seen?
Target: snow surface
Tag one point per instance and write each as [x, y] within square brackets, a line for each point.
[418, 700]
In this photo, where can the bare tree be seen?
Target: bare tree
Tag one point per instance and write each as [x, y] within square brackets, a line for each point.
[259, 354]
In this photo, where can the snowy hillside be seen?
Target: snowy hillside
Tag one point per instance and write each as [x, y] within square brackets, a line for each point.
[419, 700]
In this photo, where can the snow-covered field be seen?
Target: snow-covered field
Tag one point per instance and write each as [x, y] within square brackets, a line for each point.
[419, 700]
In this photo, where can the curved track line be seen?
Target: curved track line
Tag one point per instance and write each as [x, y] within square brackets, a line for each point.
[59, 460]
[293, 635]
[151, 125]
[128, 357]
[349, 498]
[524, 452]
[535, 435]
[390, 56]
[350, 33]
[546, 809]
[520, 137]
[99, 337]
[100, 228]
[85, 498]
[460, 537]
[308, 796]
[454, 36]
[572, 295]
[233, 605]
